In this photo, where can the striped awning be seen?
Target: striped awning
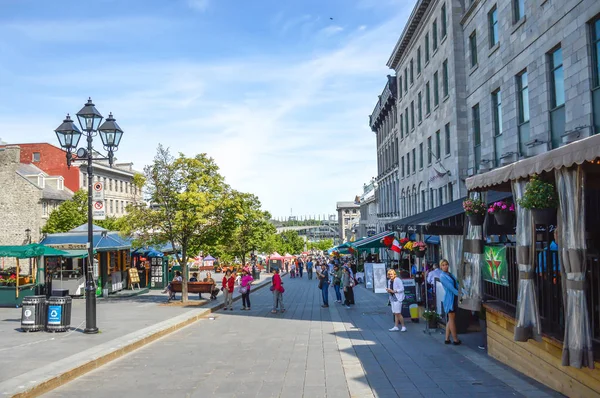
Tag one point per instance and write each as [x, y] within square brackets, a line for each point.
[372, 242]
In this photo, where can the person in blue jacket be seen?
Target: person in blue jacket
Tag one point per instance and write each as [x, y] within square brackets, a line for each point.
[450, 303]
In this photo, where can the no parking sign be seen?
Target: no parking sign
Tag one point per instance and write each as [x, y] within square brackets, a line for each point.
[98, 191]
[99, 210]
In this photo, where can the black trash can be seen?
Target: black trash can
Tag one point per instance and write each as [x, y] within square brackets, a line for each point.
[33, 313]
[59, 314]
[255, 273]
[60, 292]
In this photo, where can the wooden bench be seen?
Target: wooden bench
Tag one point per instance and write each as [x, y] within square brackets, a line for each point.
[193, 287]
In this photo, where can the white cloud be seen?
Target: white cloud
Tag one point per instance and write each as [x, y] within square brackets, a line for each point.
[198, 5]
[331, 30]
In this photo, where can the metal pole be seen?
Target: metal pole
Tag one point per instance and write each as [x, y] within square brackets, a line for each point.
[90, 288]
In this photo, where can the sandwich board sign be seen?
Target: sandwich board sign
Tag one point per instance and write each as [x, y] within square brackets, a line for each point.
[99, 210]
[98, 191]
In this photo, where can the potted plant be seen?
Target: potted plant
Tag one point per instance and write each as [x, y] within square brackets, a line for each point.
[432, 318]
[408, 246]
[2, 282]
[475, 210]
[11, 281]
[503, 212]
[419, 249]
[541, 198]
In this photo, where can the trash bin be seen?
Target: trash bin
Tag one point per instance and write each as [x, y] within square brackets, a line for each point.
[59, 314]
[255, 273]
[33, 313]
[60, 292]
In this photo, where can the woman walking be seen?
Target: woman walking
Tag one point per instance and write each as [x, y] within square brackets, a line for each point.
[396, 291]
[277, 289]
[323, 276]
[450, 303]
[228, 286]
[245, 288]
[348, 284]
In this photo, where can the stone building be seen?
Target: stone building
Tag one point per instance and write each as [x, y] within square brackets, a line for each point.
[27, 197]
[384, 123]
[369, 222]
[532, 77]
[432, 120]
[348, 218]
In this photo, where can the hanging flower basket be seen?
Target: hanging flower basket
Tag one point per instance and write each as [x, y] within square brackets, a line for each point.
[419, 249]
[544, 216]
[503, 212]
[476, 219]
[475, 209]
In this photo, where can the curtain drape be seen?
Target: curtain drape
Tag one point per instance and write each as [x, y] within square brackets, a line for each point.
[451, 246]
[577, 343]
[527, 314]
[469, 271]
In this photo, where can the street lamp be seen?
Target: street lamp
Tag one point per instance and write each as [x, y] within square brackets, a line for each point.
[68, 135]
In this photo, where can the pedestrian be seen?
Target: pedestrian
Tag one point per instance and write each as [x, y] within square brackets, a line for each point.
[324, 282]
[450, 303]
[348, 285]
[337, 282]
[300, 267]
[194, 278]
[215, 289]
[396, 291]
[293, 270]
[228, 286]
[330, 270]
[309, 268]
[170, 289]
[245, 288]
[277, 289]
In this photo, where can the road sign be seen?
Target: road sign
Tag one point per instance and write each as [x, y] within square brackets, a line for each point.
[98, 191]
[99, 210]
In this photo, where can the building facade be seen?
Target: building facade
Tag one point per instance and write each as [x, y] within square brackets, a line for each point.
[118, 180]
[369, 222]
[532, 81]
[348, 219]
[384, 123]
[27, 197]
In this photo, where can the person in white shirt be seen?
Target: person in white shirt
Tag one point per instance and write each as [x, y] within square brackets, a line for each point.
[396, 291]
[435, 273]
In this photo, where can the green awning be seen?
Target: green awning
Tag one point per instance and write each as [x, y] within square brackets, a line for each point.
[29, 251]
[76, 253]
[372, 242]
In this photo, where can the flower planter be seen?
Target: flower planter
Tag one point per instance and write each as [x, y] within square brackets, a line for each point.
[544, 216]
[476, 219]
[420, 253]
[432, 323]
[504, 217]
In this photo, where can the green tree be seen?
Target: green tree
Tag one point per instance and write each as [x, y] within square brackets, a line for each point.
[290, 242]
[70, 214]
[323, 244]
[248, 222]
[188, 199]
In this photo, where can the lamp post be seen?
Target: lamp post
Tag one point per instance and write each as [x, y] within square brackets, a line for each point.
[68, 135]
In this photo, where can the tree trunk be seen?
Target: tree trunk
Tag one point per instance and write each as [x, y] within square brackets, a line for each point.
[243, 260]
[184, 276]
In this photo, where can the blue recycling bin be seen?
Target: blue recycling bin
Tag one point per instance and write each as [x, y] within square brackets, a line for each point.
[59, 314]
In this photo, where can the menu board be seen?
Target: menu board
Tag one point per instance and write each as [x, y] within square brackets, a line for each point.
[156, 271]
[134, 277]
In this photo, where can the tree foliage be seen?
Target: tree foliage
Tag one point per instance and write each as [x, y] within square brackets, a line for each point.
[68, 215]
[323, 244]
[188, 205]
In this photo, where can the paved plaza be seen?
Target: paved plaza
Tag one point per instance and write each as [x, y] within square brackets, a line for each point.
[308, 351]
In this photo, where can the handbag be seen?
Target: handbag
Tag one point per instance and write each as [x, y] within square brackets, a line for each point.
[272, 288]
[243, 289]
[321, 284]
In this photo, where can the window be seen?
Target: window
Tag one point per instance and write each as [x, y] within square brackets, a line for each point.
[420, 108]
[434, 34]
[595, 30]
[408, 163]
[400, 87]
[493, 22]
[123, 207]
[427, 99]
[121, 184]
[445, 78]
[447, 138]
[523, 111]
[429, 151]
[423, 201]
[438, 145]
[412, 115]
[440, 196]
[443, 21]
[436, 91]
[557, 91]
[401, 126]
[111, 206]
[412, 75]
[426, 47]
[110, 184]
[421, 155]
[431, 205]
[497, 119]
[126, 187]
[473, 47]
[36, 157]
[450, 193]
[476, 136]
[406, 121]
[414, 160]
[405, 80]
[419, 60]
[519, 9]
[402, 166]
[44, 208]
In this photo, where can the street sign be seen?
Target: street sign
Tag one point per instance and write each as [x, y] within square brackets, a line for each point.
[99, 210]
[98, 191]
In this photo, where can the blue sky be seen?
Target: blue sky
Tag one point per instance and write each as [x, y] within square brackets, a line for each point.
[276, 92]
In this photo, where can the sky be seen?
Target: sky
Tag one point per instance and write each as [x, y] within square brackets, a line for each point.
[277, 92]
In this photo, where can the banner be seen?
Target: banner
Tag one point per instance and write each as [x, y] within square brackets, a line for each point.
[495, 268]
[379, 278]
[369, 276]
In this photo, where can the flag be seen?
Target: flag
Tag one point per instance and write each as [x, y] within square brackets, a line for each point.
[396, 246]
[388, 241]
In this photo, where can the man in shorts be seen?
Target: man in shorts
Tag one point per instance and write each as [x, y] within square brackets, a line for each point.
[396, 292]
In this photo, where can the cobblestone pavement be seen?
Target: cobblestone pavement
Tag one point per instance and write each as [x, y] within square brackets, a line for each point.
[308, 351]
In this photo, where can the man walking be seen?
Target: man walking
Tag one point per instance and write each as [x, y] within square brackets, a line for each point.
[323, 276]
[300, 267]
[309, 268]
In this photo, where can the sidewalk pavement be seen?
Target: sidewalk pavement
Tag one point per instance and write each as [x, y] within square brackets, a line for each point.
[36, 362]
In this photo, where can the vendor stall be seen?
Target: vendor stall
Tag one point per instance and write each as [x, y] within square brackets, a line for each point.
[275, 260]
[18, 281]
[66, 272]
